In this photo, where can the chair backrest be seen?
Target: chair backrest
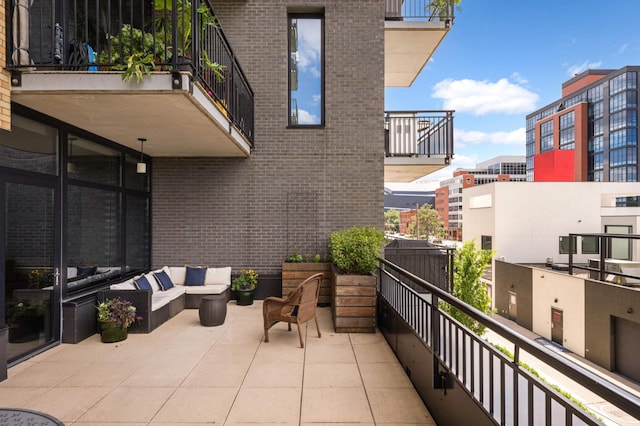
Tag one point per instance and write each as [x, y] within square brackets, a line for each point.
[310, 289]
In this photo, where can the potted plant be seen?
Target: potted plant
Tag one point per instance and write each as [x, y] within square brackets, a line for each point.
[163, 23]
[39, 278]
[296, 268]
[115, 316]
[354, 253]
[244, 286]
[135, 52]
[25, 319]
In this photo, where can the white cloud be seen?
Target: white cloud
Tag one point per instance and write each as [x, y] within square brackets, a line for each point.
[485, 97]
[515, 76]
[622, 48]
[578, 68]
[463, 138]
[305, 117]
[309, 42]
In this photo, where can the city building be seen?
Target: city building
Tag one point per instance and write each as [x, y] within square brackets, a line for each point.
[403, 200]
[189, 162]
[590, 133]
[449, 196]
[536, 246]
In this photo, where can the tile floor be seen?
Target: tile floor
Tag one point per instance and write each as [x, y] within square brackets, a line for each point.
[184, 373]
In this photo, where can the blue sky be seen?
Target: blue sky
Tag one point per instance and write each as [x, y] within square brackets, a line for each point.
[505, 59]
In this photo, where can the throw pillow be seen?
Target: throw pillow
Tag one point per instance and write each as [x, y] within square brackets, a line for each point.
[90, 270]
[163, 280]
[195, 276]
[142, 283]
[218, 276]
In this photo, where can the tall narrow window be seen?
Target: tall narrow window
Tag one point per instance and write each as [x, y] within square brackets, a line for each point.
[306, 70]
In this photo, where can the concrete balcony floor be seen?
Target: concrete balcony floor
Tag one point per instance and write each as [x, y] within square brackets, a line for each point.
[184, 373]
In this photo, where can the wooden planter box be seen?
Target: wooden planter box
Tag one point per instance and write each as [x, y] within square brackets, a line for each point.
[353, 302]
[294, 273]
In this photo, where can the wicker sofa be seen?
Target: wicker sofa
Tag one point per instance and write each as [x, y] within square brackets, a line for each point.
[157, 304]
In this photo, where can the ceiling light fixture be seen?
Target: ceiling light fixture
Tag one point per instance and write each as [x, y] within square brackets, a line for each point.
[141, 167]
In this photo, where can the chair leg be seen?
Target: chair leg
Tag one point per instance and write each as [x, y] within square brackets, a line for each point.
[317, 327]
[300, 335]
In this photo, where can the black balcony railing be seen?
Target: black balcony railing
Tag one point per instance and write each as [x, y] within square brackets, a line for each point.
[613, 261]
[424, 10]
[419, 134]
[104, 35]
[459, 375]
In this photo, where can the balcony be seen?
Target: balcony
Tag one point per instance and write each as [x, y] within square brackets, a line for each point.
[69, 64]
[464, 379]
[413, 31]
[184, 373]
[417, 143]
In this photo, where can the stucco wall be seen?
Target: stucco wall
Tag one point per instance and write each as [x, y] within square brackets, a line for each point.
[525, 219]
[602, 302]
[509, 277]
[564, 292]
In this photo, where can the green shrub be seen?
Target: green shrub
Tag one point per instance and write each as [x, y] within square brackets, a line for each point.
[356, 250]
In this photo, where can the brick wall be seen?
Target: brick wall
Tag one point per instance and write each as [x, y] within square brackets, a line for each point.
[299, 184]
[5, 86]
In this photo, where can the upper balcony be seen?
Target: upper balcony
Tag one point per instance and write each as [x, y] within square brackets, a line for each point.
[417, 143]
[413, 31]
[187, 95]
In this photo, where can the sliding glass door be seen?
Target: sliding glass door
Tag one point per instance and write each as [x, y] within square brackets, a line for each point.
[30, 225]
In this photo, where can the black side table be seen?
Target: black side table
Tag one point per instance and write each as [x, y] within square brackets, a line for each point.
[213, 309]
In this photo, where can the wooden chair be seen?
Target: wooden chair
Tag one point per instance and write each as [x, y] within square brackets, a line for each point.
[298, 307]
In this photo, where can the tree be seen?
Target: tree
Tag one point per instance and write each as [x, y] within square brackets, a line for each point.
[469, 266]
[429, 223]
[392, 220]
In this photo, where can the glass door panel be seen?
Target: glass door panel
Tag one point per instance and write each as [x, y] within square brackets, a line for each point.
[31, 270]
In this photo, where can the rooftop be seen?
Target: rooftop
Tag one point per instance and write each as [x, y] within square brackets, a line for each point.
[186, 373]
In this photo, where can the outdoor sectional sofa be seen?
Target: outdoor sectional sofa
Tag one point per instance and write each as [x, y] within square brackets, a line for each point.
[158, 299]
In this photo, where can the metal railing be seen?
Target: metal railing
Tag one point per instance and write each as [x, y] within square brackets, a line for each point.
[507, 393]
[603, 266]
[426, 10]
[102, 35]
[419, 134]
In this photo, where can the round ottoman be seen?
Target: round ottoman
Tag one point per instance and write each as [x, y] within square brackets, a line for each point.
[213, 309]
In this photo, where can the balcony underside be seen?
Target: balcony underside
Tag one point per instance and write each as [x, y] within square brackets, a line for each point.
[408, 169]
[180, 122]
[408, 45]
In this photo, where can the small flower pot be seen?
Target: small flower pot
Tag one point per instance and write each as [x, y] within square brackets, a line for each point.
[110, 333]
[245, 297]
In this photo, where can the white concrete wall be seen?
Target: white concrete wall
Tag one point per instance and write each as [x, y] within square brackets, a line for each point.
[564, 292]
[525, 219]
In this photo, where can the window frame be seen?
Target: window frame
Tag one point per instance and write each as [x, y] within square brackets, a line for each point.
[291, 16]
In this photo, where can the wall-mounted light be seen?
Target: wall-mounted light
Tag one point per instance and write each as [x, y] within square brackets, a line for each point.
[630, 310]
[141, 167]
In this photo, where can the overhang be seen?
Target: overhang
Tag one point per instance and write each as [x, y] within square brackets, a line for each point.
[408, 169]
[408, 45]
[176, 116]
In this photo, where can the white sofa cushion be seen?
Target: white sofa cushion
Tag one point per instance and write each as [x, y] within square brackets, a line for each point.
[161, 298]
[177, 274]
[72, 272]
[125, 285]
[218, 276]
[206, 289]
[152, 280]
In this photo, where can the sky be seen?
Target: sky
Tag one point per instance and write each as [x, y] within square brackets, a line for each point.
[503, 60]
